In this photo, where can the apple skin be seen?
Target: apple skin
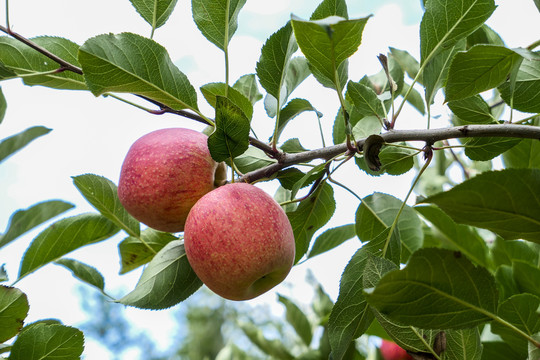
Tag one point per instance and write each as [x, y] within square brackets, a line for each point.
[163, 175]
[239, 241]
[392, 351]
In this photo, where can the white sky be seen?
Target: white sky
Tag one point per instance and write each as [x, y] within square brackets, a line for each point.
[92, 135]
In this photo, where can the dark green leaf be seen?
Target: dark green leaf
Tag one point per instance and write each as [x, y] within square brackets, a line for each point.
[437, 289]
[526, 94]
[102, 194]
[299, 321]
[252, 159]
[378, 211]
[394, 161]
[24, 220]
[313, 174]
[63, 237]
[386, 245]
[504, 252]
[330, 7]
[436, 71]
[294, 108]
[484, 149]
[290, 176]
[407, 337]
[212, 90]
[526, 277]
[505, 281]
[498, 350]
[167, 280]
[505, 202]
[217, 19]
[134, 252]
[445, 22]
[365, 100]
[3, 105]
[154, 12]
[247, 86]
[481, 68]
[231, 136]
[312, 214]
[275, 348]
[38, 69]
[44, 341]
[472, 110]
[332, 238]
[13, 310]
[463, 344]
[456, 237]
[14, 143]
[484, 35]
[526, 154]
[83, 272]
[130, 63]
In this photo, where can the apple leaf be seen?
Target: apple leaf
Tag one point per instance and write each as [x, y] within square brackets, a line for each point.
[212, 90]
[13, 310]
[505, 252]
[299, 321]
[487, 148]
[24, 220]
[134, 252]
[526, 94]
[231, 135]
[330, 7]
[247, 86]
[472, 110]
[505, 202]
[498, 350]
[312, 214]
[167, 280]
[463, 344]
[378, 211]
[327, 44]
[437, 289]
[3, 104]
[14, 143]
[294, 108]
[102, 194]
[394, 160]
[436, 71]
[252, 159]
[447, 21]
[526, 277]
[526, 154]
[406, 61]
[154, 12]
[51, 341]
[480, 68]
[505, 279]
[217, 19]
[332, 238]
[275, 348]
[130, 63]
[365, 100]
[83, 272]
[37, 69]
[63, 237]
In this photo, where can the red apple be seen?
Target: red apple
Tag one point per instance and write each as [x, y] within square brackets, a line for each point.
[391, 351]
[163, 175]
[239, 241]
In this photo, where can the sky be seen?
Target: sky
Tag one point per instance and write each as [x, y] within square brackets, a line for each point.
[92, 135]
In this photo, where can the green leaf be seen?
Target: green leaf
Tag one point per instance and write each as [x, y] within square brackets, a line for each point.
[463, 344]
[24, 220]
[38, 69]
[275, 348]
[14, 143]
[332, 238]
[497, 350]
[231, 136]
[456, 237]
[415, 99]
[312, 214]
[154, 12]
[378, 211]
[437, 289]
[394, 161]
[83, 272]
[484, 35]
[505, 281]
[365, 126]
[526, 277]
[3, 105]
[406, 61]
[134, 252]
[436, 71]
[212, 90]
[299, 321]
[252, 159]
[273, 63]
[327, 43]
[445, 22]
[294, 108]
[130, 63]
[13, 310]
[217, 19]
[526, 94]
[365, 100]
[294, 179]
[102, 194]
[63, 237]
[505, 252]
[3, 273]
[481, 68]
[330, 7]
[292, 146]
[167, 280]
[505, 202]
[487, 148]
[472, 110]
[526, 154]
[522, 312]
[247, 86]
[44, 341]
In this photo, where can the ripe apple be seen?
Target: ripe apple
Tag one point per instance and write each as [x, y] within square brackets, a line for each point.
[239, 241]
[163, 175]
[391, 351]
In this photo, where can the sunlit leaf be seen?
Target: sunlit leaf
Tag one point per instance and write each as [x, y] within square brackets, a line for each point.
[506, 202]
[24, 220]
[247, 86]
[252, 159]
[154, 12]
[130, 63]
[14, 143]
[167, 280]
[330, 7]
[213, 90]
[13, 310]
[63, 237]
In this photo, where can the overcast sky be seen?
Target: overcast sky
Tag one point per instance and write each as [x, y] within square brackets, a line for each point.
[92, 135]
